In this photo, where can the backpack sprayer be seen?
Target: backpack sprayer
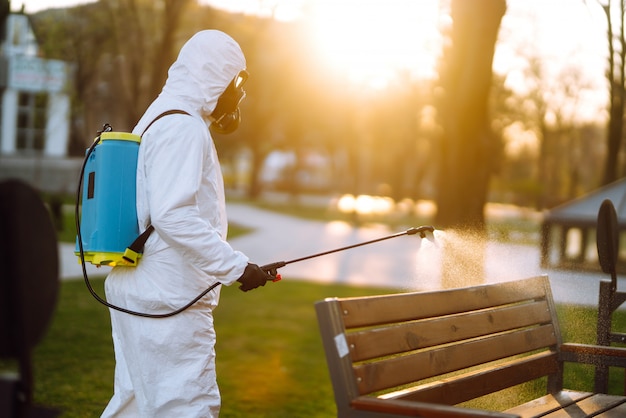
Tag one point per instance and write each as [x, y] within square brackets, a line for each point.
[109, 216]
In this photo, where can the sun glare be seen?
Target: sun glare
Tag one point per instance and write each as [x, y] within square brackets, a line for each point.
[370, 41]
[367, 42]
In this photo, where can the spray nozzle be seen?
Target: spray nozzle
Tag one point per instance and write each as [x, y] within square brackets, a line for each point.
[422, 230]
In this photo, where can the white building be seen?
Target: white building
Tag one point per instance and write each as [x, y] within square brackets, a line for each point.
[34, 109]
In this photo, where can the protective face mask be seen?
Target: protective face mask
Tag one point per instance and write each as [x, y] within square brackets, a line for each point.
[226, 116]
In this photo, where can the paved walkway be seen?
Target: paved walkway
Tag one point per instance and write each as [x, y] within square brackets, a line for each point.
[404, 262]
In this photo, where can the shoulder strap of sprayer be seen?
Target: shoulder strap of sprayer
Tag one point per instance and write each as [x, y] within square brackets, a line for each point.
[131, 254]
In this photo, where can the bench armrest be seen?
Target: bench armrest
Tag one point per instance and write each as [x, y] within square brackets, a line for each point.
[594, 354]
[421, 409]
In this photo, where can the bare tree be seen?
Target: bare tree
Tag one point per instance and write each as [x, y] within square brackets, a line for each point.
[144, 46]
[616, 75]
[70, 35]
[467, 146]
[120, 51]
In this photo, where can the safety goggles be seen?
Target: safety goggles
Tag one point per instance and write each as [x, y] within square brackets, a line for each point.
[236, 87]
[240, 79]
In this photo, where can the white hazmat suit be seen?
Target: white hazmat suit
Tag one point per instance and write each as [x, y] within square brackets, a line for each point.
[166, 367]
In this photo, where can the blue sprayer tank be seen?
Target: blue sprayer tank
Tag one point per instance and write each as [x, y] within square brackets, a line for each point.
[109, 215]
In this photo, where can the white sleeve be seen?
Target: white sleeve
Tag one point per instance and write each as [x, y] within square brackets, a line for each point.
[174, 169]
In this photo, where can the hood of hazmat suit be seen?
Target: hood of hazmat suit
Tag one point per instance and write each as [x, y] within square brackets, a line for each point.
[165, 367]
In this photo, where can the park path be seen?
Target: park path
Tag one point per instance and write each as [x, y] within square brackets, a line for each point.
[404, 262]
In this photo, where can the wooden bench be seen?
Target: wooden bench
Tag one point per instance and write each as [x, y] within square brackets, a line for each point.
[422, 354]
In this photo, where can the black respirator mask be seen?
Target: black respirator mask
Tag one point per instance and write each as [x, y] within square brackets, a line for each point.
[226, 116]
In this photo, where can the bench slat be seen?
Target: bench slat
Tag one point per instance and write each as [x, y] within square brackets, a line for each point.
[548, 403]
[457, 389]
[396, 371]
[429, 352]
[369, 311]
[589, 407]
[617, 412]
[423, 410]
[379, 342]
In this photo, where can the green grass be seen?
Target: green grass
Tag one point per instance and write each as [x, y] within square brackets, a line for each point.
[67, 232]
[270, 357]
[74, 364]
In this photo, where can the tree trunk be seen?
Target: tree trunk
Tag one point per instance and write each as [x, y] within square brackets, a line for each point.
[467, 147]
[616, 95]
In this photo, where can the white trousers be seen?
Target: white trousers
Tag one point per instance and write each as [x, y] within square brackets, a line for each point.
[164, 367]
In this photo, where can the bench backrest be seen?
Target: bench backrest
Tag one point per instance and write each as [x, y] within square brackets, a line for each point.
[480, 339]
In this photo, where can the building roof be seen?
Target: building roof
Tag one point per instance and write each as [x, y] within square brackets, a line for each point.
[584, 210]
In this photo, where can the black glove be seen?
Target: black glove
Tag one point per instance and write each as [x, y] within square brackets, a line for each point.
[253, 277]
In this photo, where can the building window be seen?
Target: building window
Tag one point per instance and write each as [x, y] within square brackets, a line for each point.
[31, 121]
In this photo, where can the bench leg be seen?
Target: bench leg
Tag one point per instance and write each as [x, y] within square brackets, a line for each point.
[605, 303]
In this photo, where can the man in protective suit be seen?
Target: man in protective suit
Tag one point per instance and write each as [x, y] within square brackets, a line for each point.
[166, 367]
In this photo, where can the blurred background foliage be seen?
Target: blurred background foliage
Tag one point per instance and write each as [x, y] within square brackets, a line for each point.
[417, 138]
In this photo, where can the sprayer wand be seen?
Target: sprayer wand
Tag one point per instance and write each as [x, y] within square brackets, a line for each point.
[272, 268]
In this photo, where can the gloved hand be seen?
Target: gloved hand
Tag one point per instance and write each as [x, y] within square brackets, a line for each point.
[253, 277]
